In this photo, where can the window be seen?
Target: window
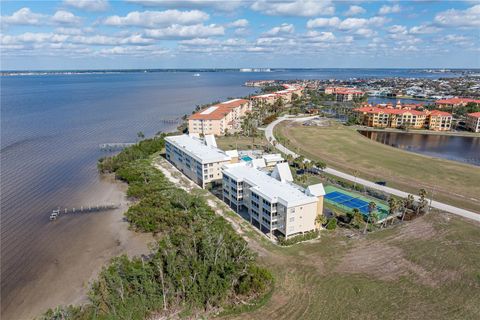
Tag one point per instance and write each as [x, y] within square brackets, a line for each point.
[292, 210]
[292, 219]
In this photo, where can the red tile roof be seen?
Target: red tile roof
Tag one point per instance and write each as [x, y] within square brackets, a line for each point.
[389, 111]
[475, 114]
[456, 101]
[218, 111]
[440, 113]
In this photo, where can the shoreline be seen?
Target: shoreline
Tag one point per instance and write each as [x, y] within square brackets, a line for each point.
[414, 131]
[69, 273]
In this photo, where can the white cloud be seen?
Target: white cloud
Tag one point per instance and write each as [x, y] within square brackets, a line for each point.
[140, 51]
[65, 17]
[285, 28]
[347, 24]
[153, 19]
[240, 23]
[241, 32]
[398, 29]
[424, 29]
[315, 36]
[199, 42]
[229, 5]
[302, 8]
[186, 32]
[459, 18]
[24, 16]
[323, 22]
[88, 5]
[389, 9]
[69, 31]
[33, 37]
[103, 40]
[365, 32]
[352, 23]
[355, 10]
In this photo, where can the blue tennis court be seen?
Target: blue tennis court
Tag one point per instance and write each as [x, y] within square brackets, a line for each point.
[348, 201]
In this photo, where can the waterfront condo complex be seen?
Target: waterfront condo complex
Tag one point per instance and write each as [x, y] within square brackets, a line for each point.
[472, 122]
[198, 159]
[267, 198]
[455, 103]
[271, 201]
[285, 95]
[403, 117]
[219, 119]
[343, 94]
[226, 117]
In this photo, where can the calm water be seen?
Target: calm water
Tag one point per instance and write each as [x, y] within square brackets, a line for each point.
[463, 149]
[51, 126]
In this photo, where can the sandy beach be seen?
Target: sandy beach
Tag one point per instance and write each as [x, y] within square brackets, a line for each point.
[74, 259]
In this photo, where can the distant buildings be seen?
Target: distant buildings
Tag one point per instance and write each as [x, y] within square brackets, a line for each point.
[473, 121]
[273, 203]
[200, 160]
[343, 94]
[455, 102]
[286, 95]
[259, 83]
[403, 117]
[220, 118]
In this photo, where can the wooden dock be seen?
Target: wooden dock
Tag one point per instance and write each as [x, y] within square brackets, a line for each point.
[83, 209]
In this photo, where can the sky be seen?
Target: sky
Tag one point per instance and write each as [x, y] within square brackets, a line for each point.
[125, 34]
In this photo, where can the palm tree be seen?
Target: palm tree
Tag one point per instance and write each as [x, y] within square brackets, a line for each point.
[321, 165]
[407, 203]
[289, 159]
[308, 166]
[320, 220]
[140, 135]
[352, 214]
[393, 204]
[422, 201]
[372, 206]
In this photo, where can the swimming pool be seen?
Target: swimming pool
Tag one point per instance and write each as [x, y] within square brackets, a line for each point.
[246, 158]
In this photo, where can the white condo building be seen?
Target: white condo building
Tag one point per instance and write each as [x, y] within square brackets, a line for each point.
[198, 159]
[273, 203]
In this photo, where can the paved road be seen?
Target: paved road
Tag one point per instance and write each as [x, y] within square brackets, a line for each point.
[370, 184]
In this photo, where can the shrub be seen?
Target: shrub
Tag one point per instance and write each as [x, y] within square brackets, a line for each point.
[331, 224]
[270, 119]
[303, 237]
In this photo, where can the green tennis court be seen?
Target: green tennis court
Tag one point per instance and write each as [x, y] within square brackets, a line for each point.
[347, 200]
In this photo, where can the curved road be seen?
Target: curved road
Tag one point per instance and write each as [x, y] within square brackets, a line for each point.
[434, 204]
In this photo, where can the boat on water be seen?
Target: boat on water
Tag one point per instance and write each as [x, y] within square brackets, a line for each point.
[196, 74]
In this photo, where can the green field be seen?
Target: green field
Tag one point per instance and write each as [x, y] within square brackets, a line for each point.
[422, 269]
[343, 148]
[241, 142]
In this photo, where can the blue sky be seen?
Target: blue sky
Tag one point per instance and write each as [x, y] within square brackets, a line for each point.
[92, 34]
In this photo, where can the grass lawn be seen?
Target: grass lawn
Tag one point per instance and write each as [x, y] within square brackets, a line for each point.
[241, 142]
[422, 269]
[343, 148]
